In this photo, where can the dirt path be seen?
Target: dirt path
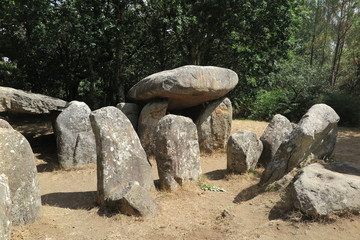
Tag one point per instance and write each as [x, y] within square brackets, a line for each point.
[69, 212]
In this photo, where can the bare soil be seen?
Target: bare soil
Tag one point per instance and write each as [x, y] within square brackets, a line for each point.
[69, 210]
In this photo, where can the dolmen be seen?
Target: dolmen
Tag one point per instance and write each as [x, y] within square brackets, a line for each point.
[191, 91]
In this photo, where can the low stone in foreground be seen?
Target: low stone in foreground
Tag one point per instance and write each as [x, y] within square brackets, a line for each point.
[176, 151]
[243, 151]
[5, 209]
[320, 190]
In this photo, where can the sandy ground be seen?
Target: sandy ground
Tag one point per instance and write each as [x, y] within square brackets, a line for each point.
[69, 210]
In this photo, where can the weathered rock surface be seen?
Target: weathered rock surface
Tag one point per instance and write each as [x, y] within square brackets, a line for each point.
[185, 86]
[133, 199]
[5, 209]
[18, 164]
[307, 141]
[131, 111]
[243, 151]
[14, 100]
[120, 156]
[275, 134]
[5, 124]
[177, 151]
[74, 136]
[148, 120]
[323, 189]
[214, 125]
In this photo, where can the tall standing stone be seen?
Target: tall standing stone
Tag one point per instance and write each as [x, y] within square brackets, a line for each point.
[275, 134]
[149, 118]
[120, 156]
[5, 209]
[18, 164]
[185, 86]
[243, 151]
[177, 151]
[214, 125]
[74, 136]
[131, 110]
[307, 141]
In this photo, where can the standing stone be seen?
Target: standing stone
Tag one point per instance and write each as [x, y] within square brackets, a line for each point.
[307, 141]
[177, 151]
[120, 156]
[18, 164]
[149, 118]
[243, 151]
[131, 111]
[319, 189]
[5, 124]
[185, 86]
[5, 209]
[74, 136]
[214, 125]
[275, 134]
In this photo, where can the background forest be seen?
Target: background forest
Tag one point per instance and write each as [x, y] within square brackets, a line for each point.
[289, 54]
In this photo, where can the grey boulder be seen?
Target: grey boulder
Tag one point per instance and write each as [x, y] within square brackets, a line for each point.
[176, 151]
[74, 136]
[148, 120]
[5, 209]
[243, 151]
[131, 111]
[275, 134]
[120, 156]
[214, 125]
[319, 190]
[18, 164]
[315, 133]
[13, 100]
[185, 86]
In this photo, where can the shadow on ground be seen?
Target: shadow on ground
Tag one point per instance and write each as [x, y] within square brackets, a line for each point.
[216, 174]
[249, 193]
[72, 200]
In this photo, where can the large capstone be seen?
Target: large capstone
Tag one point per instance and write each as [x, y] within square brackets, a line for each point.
[13, 100]
[177, 151]
[120, 156]
[243, 151]
[313, 138]
[131, 111]
[275, 134]
[74, 136]
[5, 209]
[148, 120]
[214, 125]
[320, 190]
[185, 86]
[18, 164]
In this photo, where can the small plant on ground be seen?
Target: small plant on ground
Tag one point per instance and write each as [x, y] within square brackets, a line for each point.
[209, 187]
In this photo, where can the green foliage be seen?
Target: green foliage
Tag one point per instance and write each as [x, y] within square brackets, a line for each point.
[346, 106]
[209, 187]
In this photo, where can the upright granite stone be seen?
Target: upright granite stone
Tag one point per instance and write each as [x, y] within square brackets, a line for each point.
[5, 124]
[74, 136]
[185, 86]
[214, 125]
[307, 141]
[5, 209]
[149, 118]
[132, 199]
[275, 134]
[18, 164]
[319, 189]
[13, 100]
[243, 151]
[131, 111]
[177, 151]
[120, 156]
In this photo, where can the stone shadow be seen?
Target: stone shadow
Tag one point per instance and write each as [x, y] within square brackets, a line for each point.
[216, 174]
[249, 193]
[72, 200]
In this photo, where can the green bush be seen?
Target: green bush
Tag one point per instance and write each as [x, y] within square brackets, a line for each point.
[267, 104]
[346, 106]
